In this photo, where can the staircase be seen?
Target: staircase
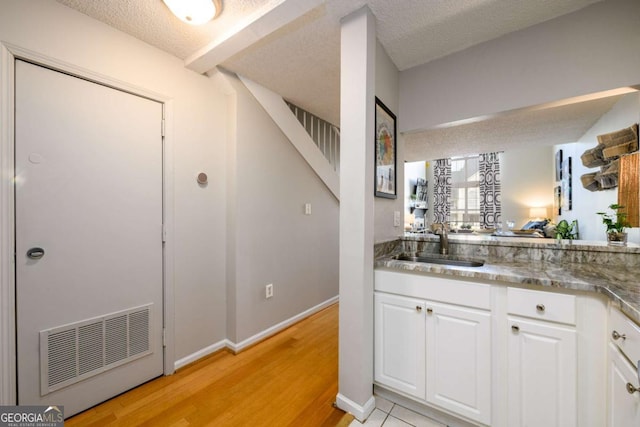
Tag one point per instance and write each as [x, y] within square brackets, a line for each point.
[317, 141]
[325, 135]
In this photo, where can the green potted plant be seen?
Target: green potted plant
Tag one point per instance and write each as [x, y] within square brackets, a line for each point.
[565, 230]
[616, 223]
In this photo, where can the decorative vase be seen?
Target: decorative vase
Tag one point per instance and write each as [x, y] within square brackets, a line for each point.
[616, 238]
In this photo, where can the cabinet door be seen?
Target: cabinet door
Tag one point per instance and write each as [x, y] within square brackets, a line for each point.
[541, 374]
[624, 408]
[399, 360]
[459, 360]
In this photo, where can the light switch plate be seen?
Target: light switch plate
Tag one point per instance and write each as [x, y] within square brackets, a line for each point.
[396, 219]
[307, 208]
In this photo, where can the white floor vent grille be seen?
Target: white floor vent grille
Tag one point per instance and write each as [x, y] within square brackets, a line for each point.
[77, 351]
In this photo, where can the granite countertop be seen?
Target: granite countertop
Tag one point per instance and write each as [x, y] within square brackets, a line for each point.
[620, 284]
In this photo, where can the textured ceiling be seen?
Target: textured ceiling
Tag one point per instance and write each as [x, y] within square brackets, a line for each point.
[301, 61]
[152, 22]
[524, 128]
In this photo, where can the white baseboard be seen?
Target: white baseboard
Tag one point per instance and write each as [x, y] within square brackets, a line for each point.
[361, 412]
[201, 353]
[280, 326]
[236, 347]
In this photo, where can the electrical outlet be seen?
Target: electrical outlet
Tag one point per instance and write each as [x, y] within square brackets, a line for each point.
[268, 290]
[307, 208]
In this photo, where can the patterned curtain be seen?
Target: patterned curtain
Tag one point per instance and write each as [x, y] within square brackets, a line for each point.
[490, 205]
[441, 190]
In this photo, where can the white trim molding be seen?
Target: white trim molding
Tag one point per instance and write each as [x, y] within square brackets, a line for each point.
[8, 387]
[194, 357]
[361, 412]
[238, 347]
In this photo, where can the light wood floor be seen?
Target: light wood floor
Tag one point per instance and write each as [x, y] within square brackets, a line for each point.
[290, 379]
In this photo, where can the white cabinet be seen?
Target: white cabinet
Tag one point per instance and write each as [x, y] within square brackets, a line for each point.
[541, 374]
[494, 355]
[400, 343]
[624, 371]
[459, 360]
[624, 407]
[542, 359]
[437, 352]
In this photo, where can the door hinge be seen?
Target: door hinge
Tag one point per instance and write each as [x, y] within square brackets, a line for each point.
[162, 127]
[164, 233]
[164, 337]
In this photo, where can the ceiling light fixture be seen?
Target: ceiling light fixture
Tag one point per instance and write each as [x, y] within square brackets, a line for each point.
[195, 12]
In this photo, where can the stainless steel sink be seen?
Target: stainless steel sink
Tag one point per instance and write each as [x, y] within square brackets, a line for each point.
[441, 259]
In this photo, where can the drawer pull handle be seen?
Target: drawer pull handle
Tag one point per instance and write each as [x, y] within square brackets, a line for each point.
[418, 308]
[632, 389]
[616, 336]
[540, 308]
[515, 328]
[429, 310]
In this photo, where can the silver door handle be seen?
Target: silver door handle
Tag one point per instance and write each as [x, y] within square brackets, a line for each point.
[35, 253]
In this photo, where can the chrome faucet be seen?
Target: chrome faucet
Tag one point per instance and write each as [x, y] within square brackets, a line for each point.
[444, 238]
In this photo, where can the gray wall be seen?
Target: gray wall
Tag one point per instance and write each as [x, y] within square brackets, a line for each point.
[593, 49]
[387, 91]
[271, 240]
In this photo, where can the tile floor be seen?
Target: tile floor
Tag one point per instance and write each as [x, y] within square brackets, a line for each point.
[389, 414]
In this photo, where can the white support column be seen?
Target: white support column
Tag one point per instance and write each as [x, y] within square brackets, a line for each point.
[357, 98]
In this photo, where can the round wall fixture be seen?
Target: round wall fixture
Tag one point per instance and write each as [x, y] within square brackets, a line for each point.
[202, 178]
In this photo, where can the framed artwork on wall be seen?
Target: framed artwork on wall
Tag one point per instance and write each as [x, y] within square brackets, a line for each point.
[558, 165]
[385, 122]
[557, 200]
[567, 196]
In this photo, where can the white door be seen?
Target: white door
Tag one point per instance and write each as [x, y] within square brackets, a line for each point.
[459, 360]
[542, 374]
[88, 194]
[400, 343]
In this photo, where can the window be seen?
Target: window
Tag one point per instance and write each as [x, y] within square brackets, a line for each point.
[465, 191]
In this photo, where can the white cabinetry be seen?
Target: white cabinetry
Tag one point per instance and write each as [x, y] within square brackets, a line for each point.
[500, 356]
[459, 360]
[400, 343]
[542, 356]
[542, 374]
[624, 371]
[427, 348]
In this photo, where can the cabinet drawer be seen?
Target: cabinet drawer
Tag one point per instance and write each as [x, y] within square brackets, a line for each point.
[623, 326]
[542, 305]
[432, 288]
